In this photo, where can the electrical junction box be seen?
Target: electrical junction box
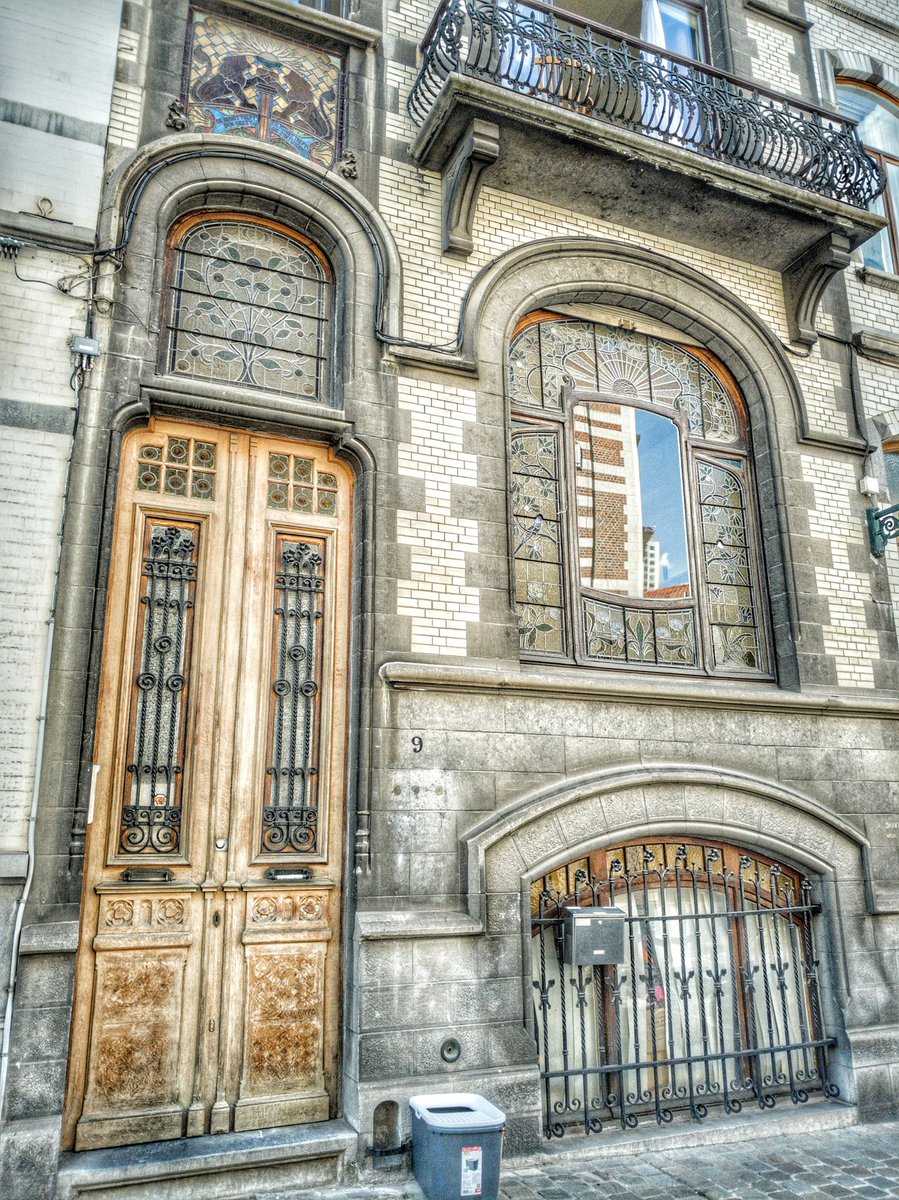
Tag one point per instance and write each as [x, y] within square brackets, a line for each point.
[593, 937]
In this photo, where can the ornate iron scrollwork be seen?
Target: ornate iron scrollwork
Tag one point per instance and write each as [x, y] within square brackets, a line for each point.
[290, 813]
[151, 810]
[589, 69]
[717, 1003]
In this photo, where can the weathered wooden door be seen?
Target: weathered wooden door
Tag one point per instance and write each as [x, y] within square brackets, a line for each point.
[207, 992]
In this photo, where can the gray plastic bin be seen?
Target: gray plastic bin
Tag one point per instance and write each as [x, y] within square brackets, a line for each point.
[457, 1144]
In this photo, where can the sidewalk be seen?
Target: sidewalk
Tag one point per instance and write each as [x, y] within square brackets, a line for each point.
[858, 1162]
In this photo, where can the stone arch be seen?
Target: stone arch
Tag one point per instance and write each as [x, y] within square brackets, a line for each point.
[546, 828]
[180, 175]
[887, 424]
[855, 64]
[144, 196]
[555, 825]
[640, 281]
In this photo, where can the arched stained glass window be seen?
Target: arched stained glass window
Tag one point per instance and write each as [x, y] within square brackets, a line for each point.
[249, 305]
[633, 536]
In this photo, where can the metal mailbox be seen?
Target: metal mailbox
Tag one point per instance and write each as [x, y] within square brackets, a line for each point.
[593, 937]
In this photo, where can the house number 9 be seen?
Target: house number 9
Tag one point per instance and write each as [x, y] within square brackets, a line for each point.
[417, 745]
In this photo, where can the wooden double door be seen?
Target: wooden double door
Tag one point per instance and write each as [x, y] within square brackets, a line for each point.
[207, 989]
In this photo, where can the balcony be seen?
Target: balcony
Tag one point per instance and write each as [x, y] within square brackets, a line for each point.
[547, 105]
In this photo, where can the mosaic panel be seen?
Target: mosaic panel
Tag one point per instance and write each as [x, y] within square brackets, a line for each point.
[253, 84]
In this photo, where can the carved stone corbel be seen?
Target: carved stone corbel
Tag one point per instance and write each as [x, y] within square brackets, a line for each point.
[804, 282]
[477, 149]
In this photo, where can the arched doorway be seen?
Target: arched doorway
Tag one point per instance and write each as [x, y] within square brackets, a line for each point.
[712, 1003]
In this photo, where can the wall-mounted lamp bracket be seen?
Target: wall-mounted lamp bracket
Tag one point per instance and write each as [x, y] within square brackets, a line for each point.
[883, 526]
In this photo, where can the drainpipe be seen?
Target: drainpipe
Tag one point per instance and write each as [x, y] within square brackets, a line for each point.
[85, 349]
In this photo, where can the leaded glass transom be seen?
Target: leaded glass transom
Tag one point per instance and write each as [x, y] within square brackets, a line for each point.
[632, 538]
[181, 466]
[553, 354]
[249, 306]
[295, 483]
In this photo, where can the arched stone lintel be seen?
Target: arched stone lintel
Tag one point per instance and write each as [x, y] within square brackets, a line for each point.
[855, 64]
[887, 424]
[553, 825]
[564, 269]
[199, 162]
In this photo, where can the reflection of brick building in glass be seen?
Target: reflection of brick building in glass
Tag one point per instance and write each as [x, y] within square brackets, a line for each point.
[610, 509]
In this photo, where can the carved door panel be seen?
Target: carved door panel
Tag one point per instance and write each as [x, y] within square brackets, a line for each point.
[207, 991]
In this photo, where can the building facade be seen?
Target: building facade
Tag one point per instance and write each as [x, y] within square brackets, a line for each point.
[450, 512]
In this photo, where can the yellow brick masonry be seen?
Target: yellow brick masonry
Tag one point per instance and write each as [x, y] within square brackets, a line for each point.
[775, 52]
[127, 92]
[436, 596]
[434, 284]
[853, 646]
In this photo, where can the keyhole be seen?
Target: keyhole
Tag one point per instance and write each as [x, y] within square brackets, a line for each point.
[216, 919]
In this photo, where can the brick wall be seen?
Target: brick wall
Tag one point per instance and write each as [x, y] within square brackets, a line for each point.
[775, 50]
[32, 466]
[58, 63]
[435, 595]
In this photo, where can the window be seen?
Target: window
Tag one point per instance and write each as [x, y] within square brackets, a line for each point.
[715, 1000]
[664, 23]
[878, 128]
[891, 459]
[632, 510]
[249, 305]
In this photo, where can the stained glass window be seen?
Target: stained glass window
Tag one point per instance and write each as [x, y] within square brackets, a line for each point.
[632, 535]
[249, 83]
[249, 306]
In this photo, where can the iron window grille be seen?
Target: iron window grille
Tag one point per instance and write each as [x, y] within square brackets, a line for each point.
[717, 1005]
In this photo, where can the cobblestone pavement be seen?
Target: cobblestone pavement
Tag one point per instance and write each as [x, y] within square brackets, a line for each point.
[853, 1162]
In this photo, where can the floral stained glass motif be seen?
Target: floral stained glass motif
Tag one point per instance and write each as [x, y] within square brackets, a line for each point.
[631, 539]
[537, 549]
[249, 83]
[735, 639]
[249, 307]
[616, 633]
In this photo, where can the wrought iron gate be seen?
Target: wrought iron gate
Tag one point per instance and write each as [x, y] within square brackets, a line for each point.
[716, 1004]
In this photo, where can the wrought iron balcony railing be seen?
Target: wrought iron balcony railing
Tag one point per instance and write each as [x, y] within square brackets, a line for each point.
[572, 64]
